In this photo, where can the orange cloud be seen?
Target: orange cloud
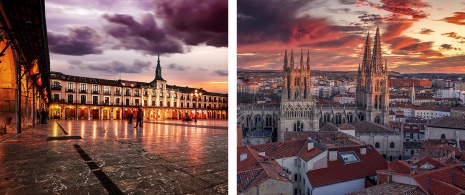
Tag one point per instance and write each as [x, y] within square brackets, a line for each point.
[457, 18]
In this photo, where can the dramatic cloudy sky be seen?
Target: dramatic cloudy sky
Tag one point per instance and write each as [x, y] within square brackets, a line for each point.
[417, 35]
[121, 38]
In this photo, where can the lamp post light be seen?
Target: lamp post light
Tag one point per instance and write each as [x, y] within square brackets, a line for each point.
[197, 95]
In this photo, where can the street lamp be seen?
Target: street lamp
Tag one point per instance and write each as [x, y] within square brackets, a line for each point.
[197, 95]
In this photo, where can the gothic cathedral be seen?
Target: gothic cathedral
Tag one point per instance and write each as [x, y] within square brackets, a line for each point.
[297, 105]
[298, 109]
[372, 92]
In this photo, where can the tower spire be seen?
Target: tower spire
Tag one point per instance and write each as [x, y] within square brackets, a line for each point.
[308, 60]
[301, 59]
[377, 62]
[366, 54]
[158, 70]
[292, 59]
[285, 59]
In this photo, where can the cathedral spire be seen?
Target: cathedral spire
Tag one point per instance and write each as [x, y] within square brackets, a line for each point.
[366, 54]
[308, 60]
[377, 62]
[292, 59]
[301, 59]
[285, 59]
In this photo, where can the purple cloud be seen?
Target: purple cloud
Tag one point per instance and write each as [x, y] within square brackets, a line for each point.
[78, 42]
[196, 21]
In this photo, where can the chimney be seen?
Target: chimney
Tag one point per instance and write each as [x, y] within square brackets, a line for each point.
[261, 154]
[332, 154]
[428, 186]
[452, 176]
[363, 149]
[309, 143]
[243, 156]
[413, 168]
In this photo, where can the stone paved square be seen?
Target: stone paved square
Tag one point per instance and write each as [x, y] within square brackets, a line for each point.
[163, 157]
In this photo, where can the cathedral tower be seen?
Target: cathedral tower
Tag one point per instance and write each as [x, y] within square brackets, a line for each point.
[372, 93]
[297, 105]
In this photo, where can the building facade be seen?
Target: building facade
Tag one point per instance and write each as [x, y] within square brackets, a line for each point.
[297, 105]
[83, 98]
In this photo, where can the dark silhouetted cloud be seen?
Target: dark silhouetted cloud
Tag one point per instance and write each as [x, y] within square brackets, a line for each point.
[406, 7]
[347, 2]
[221, 72]
[119, 67]
[196, 21]
[446, 46]
[371, 18]
[177, 67]
[144, 36]
[78, 42]
[426, 31]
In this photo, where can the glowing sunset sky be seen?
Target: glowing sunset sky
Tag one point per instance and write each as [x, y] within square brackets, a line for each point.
[106, 38]
[416, 35]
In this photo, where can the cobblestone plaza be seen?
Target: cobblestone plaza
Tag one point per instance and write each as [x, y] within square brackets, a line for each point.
[168, 157]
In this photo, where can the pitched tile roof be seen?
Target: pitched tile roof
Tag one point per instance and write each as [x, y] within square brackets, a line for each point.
[306, 154]
[346, 126]
[448, 122]
[256, 169]
[369, 127]
[329, 127]
[289, 148]
[399, 167]
[390, 188]
[329, 139]
[442, 180]
[280, 149]
[429, 160]
[337, 171]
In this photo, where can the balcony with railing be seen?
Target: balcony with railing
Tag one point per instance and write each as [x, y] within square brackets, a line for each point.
[137, 94]
[95, 91]
[146, 94]
[106, 92]
[82, 90]
[69, 89]
[56, 87]
[117, 93]
[127, 93]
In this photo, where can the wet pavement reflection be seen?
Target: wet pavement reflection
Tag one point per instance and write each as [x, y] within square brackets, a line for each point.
[163, 157]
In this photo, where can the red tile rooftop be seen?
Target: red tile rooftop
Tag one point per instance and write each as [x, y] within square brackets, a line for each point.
[337, 171]
[280, 149]
[441, 180]
[330, 139]
[399, 167]
[390, 188]
[448, 122]
[346, 126]
[256, 169]
[369, 127]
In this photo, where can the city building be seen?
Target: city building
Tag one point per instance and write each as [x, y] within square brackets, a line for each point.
[83, 98]
[446, 128]
[25, 64]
